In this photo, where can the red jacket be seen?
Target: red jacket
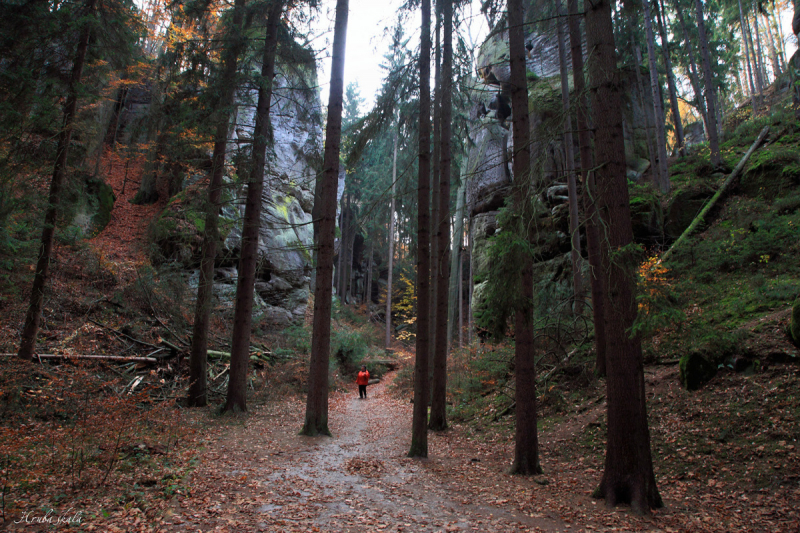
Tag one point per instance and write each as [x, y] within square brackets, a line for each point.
[363, 378]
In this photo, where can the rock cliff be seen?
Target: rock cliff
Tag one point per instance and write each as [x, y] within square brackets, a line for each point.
[488, 166]
[286, 238]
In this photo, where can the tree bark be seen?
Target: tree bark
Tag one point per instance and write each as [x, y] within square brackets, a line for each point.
[370, 266]
[391, 250]
[454, 308]
[773, 50]
[316, 421]
[436, 163]
[793, 64]
[34, 315]
[205, 289]
[762, 72]
[753, 97]
[470, 286]
[460, 295]
[650, 120]
[708, 79]
[592, 224]
[662, 178]
[572, 186]
[419, 425]
[694, 77]
[243, 314]
[438, 416]
[628, 475]
[526, 446]
[673, 93]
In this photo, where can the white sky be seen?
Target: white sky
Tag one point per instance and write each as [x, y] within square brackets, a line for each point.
[369, 31]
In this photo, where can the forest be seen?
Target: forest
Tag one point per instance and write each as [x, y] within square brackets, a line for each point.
[557, 253]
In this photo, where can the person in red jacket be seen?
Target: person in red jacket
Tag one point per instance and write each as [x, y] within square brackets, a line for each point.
[362, 381]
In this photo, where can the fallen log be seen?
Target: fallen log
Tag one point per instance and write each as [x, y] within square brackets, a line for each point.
[712, 202]
[121, 334]
[115, 358]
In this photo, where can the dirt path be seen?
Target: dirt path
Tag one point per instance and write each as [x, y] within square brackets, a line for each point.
[264, 477]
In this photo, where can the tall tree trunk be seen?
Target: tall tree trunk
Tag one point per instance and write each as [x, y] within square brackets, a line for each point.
[743, 27]
[340, 254]
[650, 120]
[349, 289]
[753, 55]
[370, 266]
[596, 280]
[694, 76]
[316, 422]
[455, 259]
[243, 313]
[774, 55]
[673, 93]
[34, 315]
[391, 249]
[708, 79]
[461, 293]
[662, 178]
[526, 448]
[572, 186]
[438, 417]
[762, 72]
[778, 29]
[470, 286]
[205, 288]
[436, 163]
[419, 425]
[793, 63]
[628, 475]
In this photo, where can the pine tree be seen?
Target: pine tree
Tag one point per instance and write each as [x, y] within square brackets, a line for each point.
[438, 417]
[419, 424]
[227, 88]
[316, 421]
[33, 317]
[526, 449]
[628, 475]
[243, 313]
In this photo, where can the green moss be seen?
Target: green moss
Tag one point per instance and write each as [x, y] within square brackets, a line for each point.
[544, 97]
[197, 219]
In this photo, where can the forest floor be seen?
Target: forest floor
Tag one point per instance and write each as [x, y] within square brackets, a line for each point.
[254, 472]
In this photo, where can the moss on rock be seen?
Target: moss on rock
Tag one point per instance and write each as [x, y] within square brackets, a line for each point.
[695, 370]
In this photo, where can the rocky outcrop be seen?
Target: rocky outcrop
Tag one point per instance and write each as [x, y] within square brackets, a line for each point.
[488, 165]
[287, 235]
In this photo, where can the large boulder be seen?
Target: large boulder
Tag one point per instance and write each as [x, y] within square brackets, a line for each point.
[794, 324]
[696, 370]
[683, 207]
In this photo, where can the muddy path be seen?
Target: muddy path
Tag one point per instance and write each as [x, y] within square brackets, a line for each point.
[259, 475]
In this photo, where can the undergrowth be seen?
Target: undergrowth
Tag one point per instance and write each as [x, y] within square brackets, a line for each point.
[70, 431]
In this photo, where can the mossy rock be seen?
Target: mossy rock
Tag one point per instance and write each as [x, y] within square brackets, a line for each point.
[544, 99]
[696, 370]
[646, 216]
[794, 325]
[773, 172]
[684, 207]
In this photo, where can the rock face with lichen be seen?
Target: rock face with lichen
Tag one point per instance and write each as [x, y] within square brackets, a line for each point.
[488, 165]
[286, 237]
